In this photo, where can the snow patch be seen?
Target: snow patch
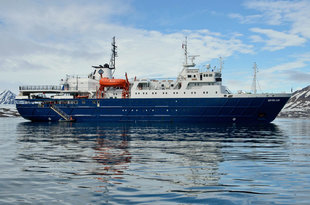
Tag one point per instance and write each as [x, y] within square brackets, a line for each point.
[8, 110]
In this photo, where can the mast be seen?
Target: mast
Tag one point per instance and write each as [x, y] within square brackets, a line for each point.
[192, 57]
[114, 54]
[254, 78]
[184, 46]
[221, 64]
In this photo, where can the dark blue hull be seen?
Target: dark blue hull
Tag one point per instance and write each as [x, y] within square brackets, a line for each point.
[262, 109]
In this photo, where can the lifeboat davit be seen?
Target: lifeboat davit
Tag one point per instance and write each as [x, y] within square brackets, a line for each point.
[120, 83]
[106, 82]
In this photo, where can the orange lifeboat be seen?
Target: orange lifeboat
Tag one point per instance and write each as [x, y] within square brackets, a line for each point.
[121, 83]
[106, 82]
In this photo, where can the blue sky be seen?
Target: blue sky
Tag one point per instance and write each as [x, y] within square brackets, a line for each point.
[42, 41]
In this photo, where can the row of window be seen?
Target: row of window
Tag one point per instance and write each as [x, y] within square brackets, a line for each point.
[203, 84]
[204, 75]
[64, 102]
[174, 93]
[163, 85]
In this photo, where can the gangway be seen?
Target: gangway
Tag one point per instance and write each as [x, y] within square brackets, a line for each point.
[61, 113]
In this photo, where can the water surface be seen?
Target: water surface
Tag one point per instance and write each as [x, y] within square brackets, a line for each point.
[147, 163]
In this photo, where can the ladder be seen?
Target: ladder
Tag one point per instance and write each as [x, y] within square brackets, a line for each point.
[62, 114]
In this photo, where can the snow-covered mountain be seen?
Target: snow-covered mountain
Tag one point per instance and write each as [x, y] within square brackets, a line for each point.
[298, 105]
[7, 107]
[7, 97]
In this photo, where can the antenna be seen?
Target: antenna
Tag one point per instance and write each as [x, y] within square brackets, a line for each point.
[192, 57]
[254, 78]
[184, 46]
[114, 54]
[221, 64]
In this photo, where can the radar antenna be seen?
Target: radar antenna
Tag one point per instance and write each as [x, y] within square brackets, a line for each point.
[114, 54]
[192, 58]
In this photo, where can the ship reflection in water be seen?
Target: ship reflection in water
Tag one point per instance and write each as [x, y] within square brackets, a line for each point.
[99, 151]
[113, 155]
[164, 163]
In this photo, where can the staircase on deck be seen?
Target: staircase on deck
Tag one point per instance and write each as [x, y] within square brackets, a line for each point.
[61, 113]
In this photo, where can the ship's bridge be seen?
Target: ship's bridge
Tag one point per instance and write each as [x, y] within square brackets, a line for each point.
[208, 76]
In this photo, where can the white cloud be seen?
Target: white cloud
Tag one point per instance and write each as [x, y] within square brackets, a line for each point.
[245, 19]
[285, 67]
[45, 41]
[292, 15]
[300, 62]
[277, 40]
[282, 12]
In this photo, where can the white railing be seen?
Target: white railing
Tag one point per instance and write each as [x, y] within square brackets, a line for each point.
[40, 87]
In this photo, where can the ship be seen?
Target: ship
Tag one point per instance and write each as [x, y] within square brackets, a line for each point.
[195, 95]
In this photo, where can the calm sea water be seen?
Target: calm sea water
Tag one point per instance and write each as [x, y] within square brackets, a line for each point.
[89, 163]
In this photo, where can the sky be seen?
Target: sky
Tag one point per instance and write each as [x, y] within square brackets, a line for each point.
[43, 41]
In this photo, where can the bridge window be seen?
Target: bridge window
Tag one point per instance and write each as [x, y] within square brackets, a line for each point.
[189, 76]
